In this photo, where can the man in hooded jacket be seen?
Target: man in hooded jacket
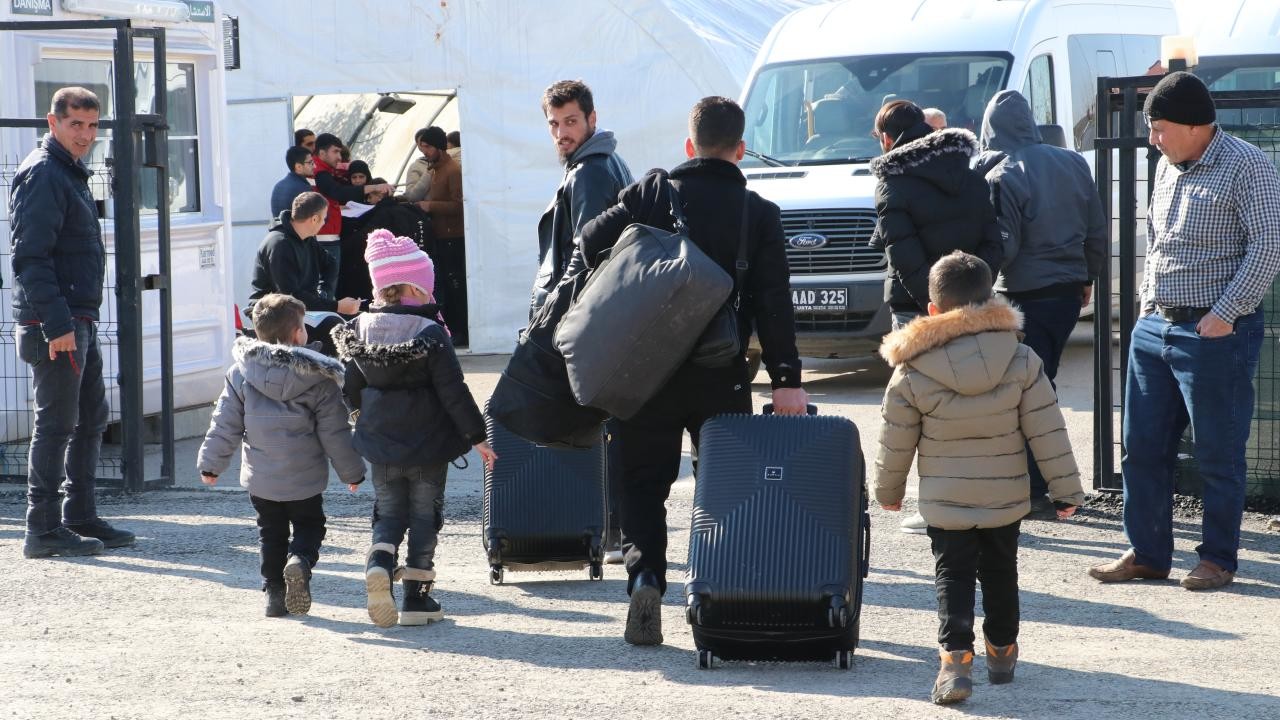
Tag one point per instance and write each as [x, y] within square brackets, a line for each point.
[1053, 233]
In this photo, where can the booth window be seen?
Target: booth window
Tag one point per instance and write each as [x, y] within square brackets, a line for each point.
[184, 156]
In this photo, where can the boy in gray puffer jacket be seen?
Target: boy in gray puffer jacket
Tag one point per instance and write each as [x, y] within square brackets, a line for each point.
[965, 395]
[284, 403]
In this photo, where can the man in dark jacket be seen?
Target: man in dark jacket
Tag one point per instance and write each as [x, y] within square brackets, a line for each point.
[59, 267]
[290, 262]
[301, 167]
[328, 155]
[1054, 235]
[593, 176]
[928, 202]
[712, 191]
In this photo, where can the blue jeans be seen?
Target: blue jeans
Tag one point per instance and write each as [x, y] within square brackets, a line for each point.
[329, 273]
[1047, 325]
[409, 498]
[70, 417]
[1177, 377]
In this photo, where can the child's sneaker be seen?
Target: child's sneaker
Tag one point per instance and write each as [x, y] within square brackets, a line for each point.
[297, 586]
[1001, 660]
[275, 599]
[418, 607]
[955, 677]
[378, 572]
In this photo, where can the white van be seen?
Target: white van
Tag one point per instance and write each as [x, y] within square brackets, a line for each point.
[824, 72]
[1238, 43]
[36, 63]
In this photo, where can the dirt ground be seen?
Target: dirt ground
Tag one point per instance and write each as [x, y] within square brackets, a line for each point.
[174, 625]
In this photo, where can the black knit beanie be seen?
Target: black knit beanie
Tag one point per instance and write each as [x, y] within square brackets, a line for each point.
[359, 166]
[435, 137]
[1182, 98]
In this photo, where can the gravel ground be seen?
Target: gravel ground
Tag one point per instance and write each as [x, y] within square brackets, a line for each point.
[174, 625]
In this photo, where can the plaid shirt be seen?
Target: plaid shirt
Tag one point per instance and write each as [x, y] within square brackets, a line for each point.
[1213, 231]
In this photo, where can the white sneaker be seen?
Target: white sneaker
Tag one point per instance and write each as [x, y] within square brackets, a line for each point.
[914, 525]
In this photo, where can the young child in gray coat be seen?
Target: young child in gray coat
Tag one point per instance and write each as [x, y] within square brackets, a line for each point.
[283, 402]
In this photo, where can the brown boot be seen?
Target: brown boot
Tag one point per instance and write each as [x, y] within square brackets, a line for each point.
[955, 677]
[1001, 660]
[1126, 568]
[1207, 576]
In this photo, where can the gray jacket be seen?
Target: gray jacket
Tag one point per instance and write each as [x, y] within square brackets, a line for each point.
[285, 403]
[1049, 211]
[593, 177]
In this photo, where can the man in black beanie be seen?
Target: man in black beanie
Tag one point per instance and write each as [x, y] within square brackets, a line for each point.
[1213, 249]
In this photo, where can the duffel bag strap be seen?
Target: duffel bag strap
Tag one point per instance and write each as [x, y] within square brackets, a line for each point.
[740, 264]
[677, 212]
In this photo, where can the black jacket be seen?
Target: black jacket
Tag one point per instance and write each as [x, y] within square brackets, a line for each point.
[402, 219]
[292, 265]
[711, 192]
[929, 203]
[59, 262]
[593, 177]
[404, 379]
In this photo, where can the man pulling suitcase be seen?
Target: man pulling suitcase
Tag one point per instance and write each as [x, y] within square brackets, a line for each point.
[711, 189]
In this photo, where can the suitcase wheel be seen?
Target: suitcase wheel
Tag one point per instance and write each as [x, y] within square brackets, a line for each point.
[693, 613]
[844, 659]
[705, 660]
[595, 571]
[838, 617]
[495, 575]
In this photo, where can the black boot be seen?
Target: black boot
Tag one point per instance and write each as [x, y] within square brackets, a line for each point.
[101, 529]
[418, 607]
[297, 582]
[379, 570]
[275, 598]
[59, 542]
[644, 616]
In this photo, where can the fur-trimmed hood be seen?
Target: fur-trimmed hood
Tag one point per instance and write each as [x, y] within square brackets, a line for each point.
[940, 157]
[283, 372]
[384, 339]
[967, 349]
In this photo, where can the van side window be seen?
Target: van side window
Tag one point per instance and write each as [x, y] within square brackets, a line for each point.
[1038, 89]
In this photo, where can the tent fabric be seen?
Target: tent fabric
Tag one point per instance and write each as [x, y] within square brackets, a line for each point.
[647, 62]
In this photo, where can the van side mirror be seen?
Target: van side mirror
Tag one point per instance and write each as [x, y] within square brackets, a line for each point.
[1053, 135]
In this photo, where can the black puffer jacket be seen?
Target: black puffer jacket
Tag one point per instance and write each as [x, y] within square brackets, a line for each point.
[59, 262]
[929, 203]
[404, 379]
[712, 193]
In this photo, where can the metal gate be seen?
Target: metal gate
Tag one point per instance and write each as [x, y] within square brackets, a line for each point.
[1122, 153]
[138, 141]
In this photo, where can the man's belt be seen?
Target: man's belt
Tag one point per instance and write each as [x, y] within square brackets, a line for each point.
[1182, 314]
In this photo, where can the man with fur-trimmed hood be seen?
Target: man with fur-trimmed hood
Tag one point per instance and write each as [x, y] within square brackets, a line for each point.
[966, 394]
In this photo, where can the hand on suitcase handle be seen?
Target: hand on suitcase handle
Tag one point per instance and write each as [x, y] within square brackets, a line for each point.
[790, 401]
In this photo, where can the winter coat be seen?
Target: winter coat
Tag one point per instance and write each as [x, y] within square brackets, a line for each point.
[929, 203]
[284, 192]
[417, 179]
[337, 193]
[404, 380]
[402, 219]
[712, 193]
[1051, 221]
[59, 262]
[284, 403]
[288, 264]
[593, 177]
[444, 197]
[966, 394]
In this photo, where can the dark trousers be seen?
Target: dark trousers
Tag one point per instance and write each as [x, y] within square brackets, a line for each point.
[613, 482]
[1047, 325]
[274, 520]
[963, 557]
[409, 499]
[329, 271]
[70, 417]
[451, 286]
[651, 455]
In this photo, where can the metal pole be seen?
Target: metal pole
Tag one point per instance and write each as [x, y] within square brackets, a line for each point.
[1128, 234]
[128, 264]
[161, 131]
[1103, 398]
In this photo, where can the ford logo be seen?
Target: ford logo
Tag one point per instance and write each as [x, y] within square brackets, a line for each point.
[807, 241]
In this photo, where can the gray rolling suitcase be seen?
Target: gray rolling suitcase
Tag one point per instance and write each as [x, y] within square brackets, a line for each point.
[779, 543]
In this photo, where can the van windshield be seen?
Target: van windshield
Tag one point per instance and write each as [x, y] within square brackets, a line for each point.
[822, 111]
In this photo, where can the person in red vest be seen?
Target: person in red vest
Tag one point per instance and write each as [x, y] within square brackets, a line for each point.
[328, 154]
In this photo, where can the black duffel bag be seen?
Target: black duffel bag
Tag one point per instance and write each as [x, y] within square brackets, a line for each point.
[532, 398]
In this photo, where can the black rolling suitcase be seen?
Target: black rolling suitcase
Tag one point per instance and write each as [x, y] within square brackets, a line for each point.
[544, 507]
[779, 543]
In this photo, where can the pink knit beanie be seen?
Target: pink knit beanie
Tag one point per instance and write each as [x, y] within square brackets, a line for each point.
[397, 260]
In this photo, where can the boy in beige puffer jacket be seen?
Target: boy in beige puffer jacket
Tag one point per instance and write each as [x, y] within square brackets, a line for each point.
[965, 393]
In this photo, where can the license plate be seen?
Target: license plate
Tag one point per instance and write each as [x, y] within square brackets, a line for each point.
[820, 299]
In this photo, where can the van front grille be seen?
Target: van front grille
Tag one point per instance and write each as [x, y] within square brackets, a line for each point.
[846, 251]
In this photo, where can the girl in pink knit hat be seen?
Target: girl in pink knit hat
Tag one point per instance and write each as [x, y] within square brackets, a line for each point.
[414, 415]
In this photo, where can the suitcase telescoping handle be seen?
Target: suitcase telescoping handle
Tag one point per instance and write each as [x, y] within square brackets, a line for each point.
[810, 409]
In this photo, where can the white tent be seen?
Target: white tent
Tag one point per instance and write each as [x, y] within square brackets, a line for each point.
[647, 62]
